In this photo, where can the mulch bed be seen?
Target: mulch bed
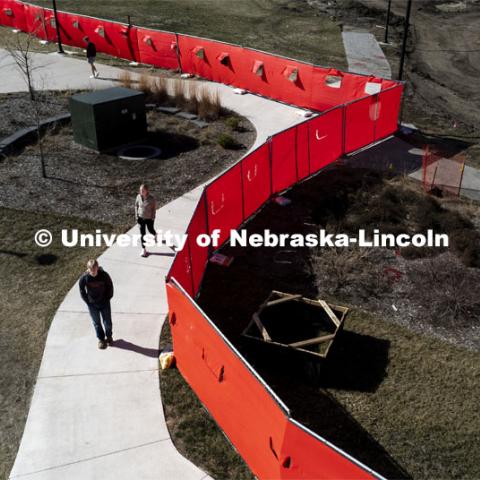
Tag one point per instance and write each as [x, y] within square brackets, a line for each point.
[102, 187]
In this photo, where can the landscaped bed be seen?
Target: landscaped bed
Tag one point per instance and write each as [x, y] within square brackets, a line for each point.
[405, 369]
[101, 186]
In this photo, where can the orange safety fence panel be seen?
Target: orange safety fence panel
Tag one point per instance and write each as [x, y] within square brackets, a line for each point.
[331, 87]
[302, 148]
[12, 14]
[216, 61]
[256, 179]
[198, 255]
[284, 162]
[236, 398]
[360, 119]
[35, 21]
[325, 139]
[181, 270]
[158, 48]
[224, 202]
[388, 111]
[306, 456]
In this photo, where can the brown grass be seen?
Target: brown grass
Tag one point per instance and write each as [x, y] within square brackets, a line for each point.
[126, 79]
[179, 93]
[146, 85]
[27, 310]
[159, 90]
[192, 100]
[209, 106]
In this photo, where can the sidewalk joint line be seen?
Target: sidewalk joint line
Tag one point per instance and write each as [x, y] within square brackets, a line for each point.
[94, 374]
[55, 467]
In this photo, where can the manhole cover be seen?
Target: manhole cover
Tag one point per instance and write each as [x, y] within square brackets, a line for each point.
[139, 152]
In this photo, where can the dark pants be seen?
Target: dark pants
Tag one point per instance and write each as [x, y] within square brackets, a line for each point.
[144, 224]
[101, 313]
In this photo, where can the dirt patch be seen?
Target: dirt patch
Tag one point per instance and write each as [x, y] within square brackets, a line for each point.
[381, 382]
[101, 186]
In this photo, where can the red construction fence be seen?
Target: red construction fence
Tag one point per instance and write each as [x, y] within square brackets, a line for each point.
[254, 419]
[291, 81]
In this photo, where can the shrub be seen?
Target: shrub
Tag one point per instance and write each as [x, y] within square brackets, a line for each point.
[227, 142]
[233, 123]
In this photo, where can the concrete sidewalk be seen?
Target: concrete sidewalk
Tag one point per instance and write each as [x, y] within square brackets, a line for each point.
[98, 414]
[364, 54]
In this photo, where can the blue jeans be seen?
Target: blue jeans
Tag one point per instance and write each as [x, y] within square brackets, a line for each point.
[105, 313]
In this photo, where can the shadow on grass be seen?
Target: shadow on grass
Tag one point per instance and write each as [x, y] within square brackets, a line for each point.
[13, 254]
[46, 259]
[355, 362]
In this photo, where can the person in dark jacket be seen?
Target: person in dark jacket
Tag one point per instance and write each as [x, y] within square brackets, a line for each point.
[91, 56]
[96, 289]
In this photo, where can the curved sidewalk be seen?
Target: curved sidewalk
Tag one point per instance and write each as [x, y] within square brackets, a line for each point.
[97, 414]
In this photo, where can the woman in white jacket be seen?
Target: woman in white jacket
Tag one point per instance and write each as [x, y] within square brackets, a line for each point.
[145, 210]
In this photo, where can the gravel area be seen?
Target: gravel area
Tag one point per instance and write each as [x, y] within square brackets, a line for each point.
[16, 110]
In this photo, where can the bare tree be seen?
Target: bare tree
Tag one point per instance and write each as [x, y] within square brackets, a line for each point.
[21, 52]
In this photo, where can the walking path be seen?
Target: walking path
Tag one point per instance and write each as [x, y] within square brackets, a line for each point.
[98, 414]
[364, 54]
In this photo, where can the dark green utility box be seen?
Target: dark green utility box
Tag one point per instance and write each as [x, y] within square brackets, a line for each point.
[109, 118]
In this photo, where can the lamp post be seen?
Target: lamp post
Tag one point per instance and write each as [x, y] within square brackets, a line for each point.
[405, 35]
[57, 26]
[388, 20]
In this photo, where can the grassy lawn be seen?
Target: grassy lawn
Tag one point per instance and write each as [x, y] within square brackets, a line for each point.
[33, 283]
[425, 409]
[278, 26]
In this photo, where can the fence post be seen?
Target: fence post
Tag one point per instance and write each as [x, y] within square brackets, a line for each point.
[209, 248]
[177, 51]
[296, 151]
[242, 188]
[270, 162]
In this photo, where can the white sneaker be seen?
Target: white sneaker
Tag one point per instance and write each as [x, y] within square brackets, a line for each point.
[92, 76]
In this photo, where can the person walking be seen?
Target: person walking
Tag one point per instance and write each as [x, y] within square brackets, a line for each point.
[96, 289]
[145, 210]
[91, 57]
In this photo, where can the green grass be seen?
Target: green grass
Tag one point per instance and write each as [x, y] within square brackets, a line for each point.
[279, 26]
[425, 409]
[193, 430]
[33, 283]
